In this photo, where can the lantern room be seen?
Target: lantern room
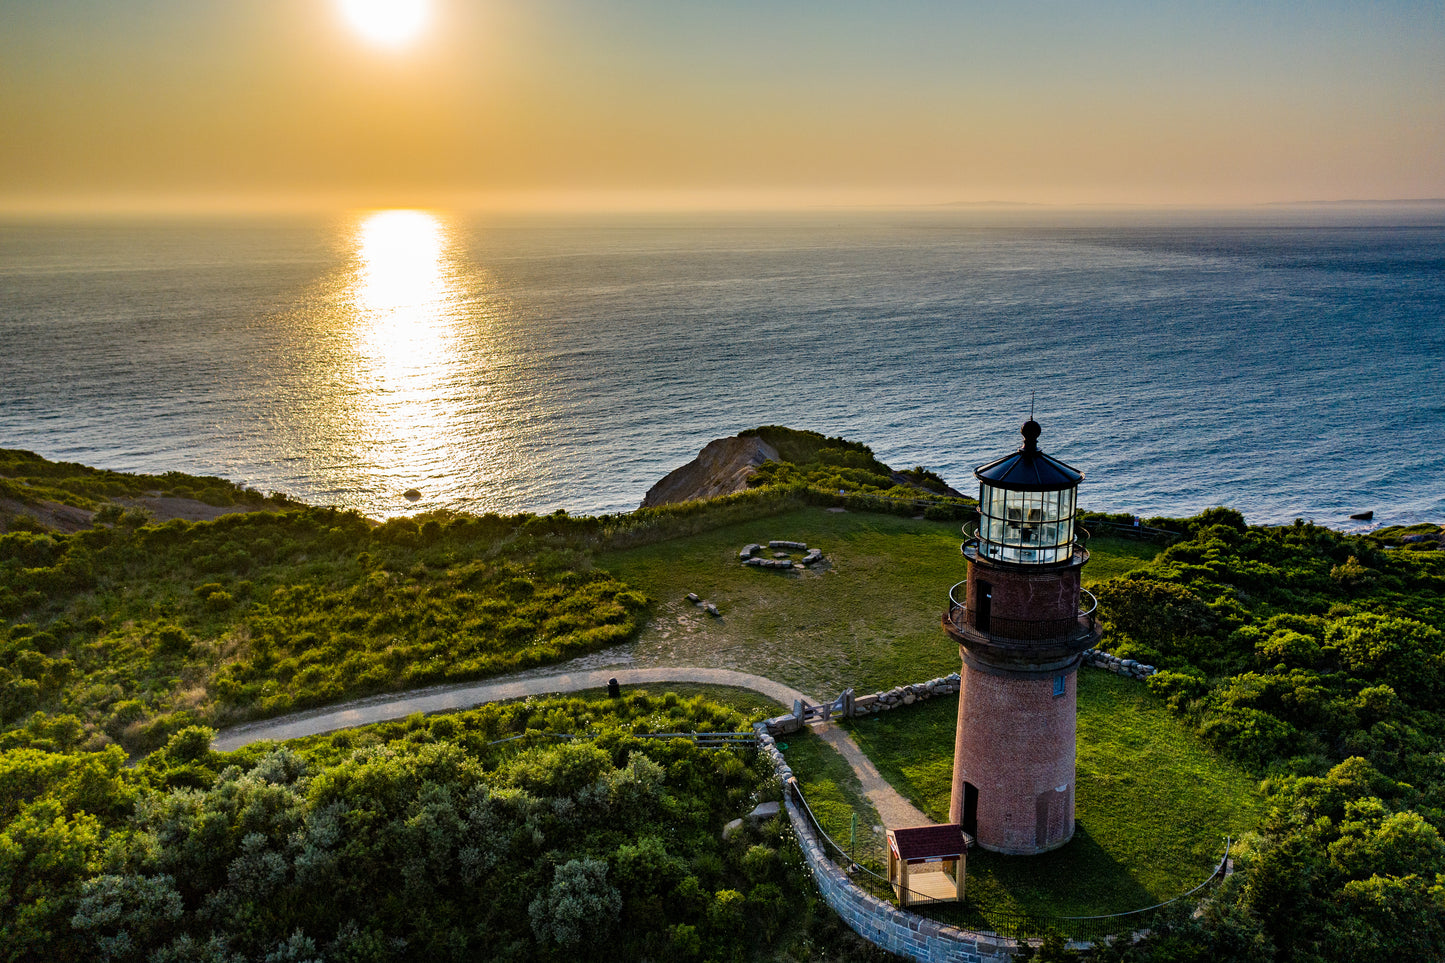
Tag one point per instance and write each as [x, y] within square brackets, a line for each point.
[1026, 505]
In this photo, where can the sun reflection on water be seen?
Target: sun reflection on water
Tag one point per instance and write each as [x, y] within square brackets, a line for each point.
[400, 290]
[409, 378]
[405, 306]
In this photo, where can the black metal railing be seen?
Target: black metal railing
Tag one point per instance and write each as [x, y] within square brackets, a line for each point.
[1080, 625]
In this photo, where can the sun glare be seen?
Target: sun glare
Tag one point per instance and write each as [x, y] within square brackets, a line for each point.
[401, 255]
[389, 23]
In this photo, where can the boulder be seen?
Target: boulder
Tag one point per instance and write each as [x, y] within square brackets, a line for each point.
[762, 812]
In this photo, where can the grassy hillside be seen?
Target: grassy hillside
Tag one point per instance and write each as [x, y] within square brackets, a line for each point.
[28, 480]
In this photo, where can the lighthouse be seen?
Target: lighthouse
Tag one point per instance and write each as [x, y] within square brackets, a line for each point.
[1022, 622]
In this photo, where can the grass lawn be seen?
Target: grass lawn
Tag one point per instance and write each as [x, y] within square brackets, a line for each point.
[867, 618]
[1153, 805]
[1109, 557]
[835, 796]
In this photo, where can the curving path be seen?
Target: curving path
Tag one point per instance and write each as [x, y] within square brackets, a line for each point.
[893, 809]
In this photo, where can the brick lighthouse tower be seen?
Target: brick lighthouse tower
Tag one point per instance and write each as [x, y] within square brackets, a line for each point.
[1021, 622]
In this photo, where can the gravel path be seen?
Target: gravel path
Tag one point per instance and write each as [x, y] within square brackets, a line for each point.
[893, 809]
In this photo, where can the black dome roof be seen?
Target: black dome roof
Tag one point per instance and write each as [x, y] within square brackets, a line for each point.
[1029, 469]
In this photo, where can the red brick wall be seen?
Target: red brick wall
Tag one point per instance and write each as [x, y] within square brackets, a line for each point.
[1015, 742]
[1020, 594]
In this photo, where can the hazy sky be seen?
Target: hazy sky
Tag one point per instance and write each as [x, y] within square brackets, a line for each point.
[644, 102]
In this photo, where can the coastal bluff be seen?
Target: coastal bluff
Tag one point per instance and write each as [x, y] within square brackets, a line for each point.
[721, 468]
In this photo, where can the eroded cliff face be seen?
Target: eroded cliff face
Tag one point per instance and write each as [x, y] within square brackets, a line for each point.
[721, 468]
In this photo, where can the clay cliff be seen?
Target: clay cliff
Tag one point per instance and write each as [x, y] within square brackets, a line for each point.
[721, 468]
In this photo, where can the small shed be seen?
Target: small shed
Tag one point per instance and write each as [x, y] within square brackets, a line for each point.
[927, 864]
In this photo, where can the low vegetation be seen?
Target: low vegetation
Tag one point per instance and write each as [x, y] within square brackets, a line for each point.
[29, 479]
[834, 467]
[836, 797]
[868, 617]
[133, 632]
[422, 840]
[1316, 659]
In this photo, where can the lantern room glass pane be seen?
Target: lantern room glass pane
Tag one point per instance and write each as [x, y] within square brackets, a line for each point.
[1026, 527]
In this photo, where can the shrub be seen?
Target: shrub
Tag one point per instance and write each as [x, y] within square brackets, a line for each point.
[580, 902]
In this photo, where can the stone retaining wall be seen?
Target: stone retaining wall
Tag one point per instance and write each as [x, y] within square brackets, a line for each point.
[1112, 663]
[848, 705]
[905, 695]
[877, 921]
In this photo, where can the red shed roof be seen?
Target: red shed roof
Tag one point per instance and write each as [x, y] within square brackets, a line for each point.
[929, 842]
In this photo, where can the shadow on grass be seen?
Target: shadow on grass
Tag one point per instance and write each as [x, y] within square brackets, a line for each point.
[1002, 886]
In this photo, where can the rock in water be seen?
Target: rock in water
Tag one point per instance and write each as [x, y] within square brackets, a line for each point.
[722, 468]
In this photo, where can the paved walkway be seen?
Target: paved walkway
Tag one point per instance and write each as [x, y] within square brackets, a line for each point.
[893, 809]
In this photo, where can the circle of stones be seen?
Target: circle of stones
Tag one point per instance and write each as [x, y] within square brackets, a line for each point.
[749, 555]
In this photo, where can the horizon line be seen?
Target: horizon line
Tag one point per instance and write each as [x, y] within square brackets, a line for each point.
[620, 202]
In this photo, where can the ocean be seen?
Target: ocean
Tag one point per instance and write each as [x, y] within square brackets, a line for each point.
[1286, 364]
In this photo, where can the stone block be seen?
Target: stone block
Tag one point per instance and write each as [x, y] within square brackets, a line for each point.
[784, 724]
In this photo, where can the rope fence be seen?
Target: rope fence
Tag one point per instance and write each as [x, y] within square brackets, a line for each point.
[1002, 922]
[706, 740]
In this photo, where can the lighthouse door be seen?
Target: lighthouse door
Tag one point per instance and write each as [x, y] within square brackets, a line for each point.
[970, 809]
[984, 611]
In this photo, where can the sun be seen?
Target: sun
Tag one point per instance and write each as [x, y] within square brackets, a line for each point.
[389, 23]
